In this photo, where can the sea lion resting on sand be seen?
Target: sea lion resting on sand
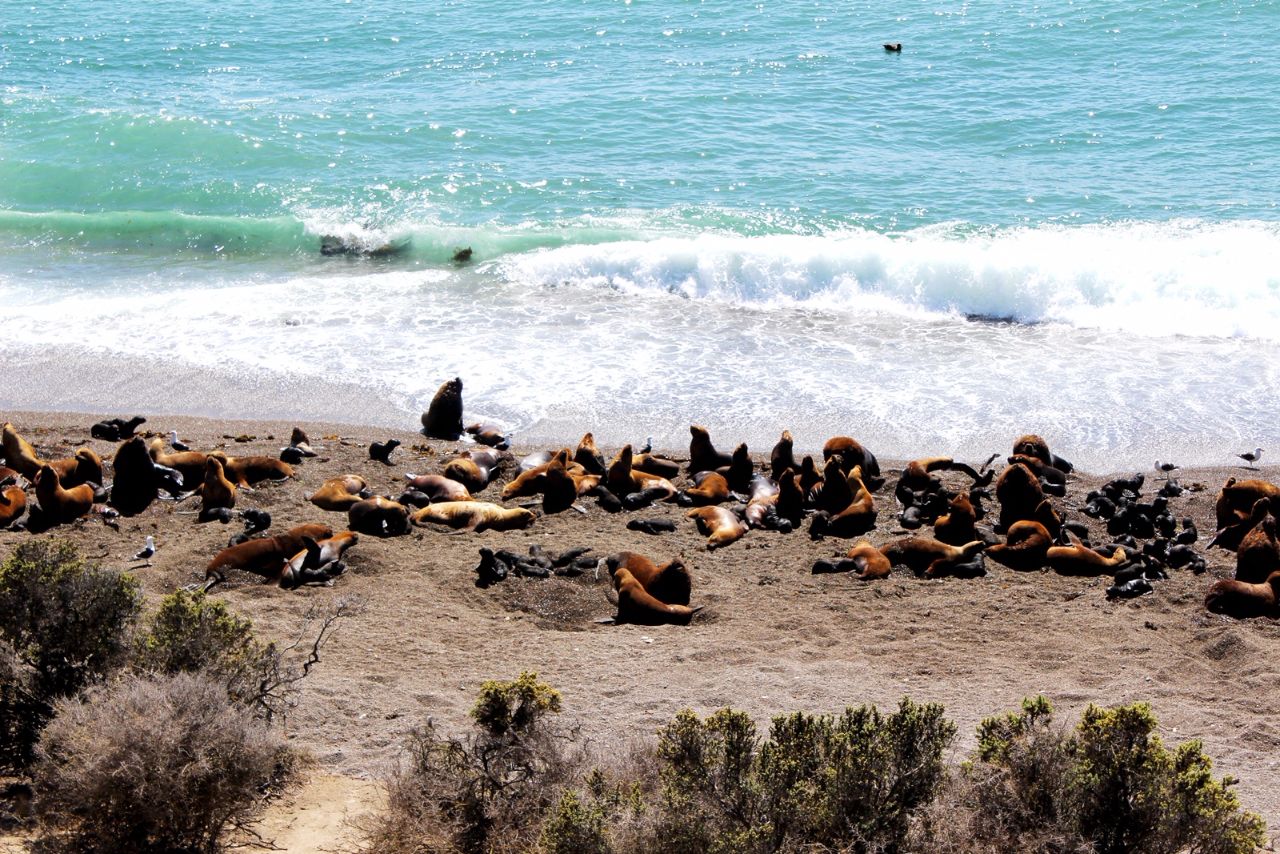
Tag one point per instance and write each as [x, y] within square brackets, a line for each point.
[1076, 559]
[846, 453]
[1241, 599]
[534, 481]
[1259, 553]
[1237, 498]
[857, 516]
[863, 560]
[1019, 493]
[13, 502]
[340, 493]
[247, 471]
[443, 418]
[378, 516]
[474, 516]
[190, 464]
[266, 557]
[58, 505]
[650, 595]
[84, 467]
[721, 527]
[319, 562]
[19, 453]
[1027, 542]
[709, 488]
[622, 478]
[438, 487]
[932, 557]
[473, 469]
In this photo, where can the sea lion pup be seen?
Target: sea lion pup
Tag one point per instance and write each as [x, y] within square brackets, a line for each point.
[339, 493]
[265, 556]
[1237, 497]
[137, 483]
[783, 456]
[13, 503]
[1019, 493]
[216, 491]
[720, 526]
[959, 525]
[636, 605]
[1076, 559]
[1232, 535]
[20, 454]
[588, 455]
[1241, 599]
[929, 556]
[443, 418]
[703, 455]
[740, 469]
[847, 453]
[190, 464]
[670, 582]
[474, 516]
[489, 435]
[437, 487]
[247, 471]
[623, 479]
[378, 516]
[709, 488]
[1259, 553]
[315, 564]
[59, 505]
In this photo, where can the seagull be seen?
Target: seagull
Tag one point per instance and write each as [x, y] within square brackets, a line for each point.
[1166, 468]
[1251, 458]
[648, 446]
[893, 47]
[176, 443]
[148, 550]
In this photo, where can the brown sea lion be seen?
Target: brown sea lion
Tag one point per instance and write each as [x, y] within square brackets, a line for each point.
[1026, 544]
[190, 464]
[1237, 497]
[1259, 553]
[265, 556]
[918, 474]
[1232, 535]
[588, 456]
[622, 478]
[59, 505]
[1040, 469]
[783, 456]
[443, 418]
[216, 491]
[872, 563]
[670, 582]
[636, 605]
[1019, 493]
[1241, 599]
[857, 516]
[378, 516]
[1034, 446]
[929, 556]
[846, 453]
[959, 525]
[13, 503]
[248, 471]
[762, 501]
[474, 516]
[654, 464]
[533, 481]
[314, 563]
[720, 526]
[19, 453]
[560, 488]
[473, 469]
[1076, 559]
[703, 455]
[339, 493]
[710, 488]
[136, 483]
[84, 467]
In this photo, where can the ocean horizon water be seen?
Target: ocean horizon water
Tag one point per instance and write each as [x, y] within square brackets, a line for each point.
[1061, 218]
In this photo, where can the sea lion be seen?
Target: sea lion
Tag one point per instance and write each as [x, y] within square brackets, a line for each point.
[560, 488]
[115, 429]
[857, 516]
[438, 487]
[1241, 599]
[381, 451]
[19, 453]
[315, 564]
[863, 560]
[489, 435]
[637, 605]
[654, 464]
[918, 475]
[670, 582]
[332, 245]
[1019, 493]
[84, 467]
[216, 491]
[783, 456]
[720, 526]
[790, 503]
[340, 493]
[443, 418]
[847, 453]
[58, 505]
[931, 557]
[190, 464]
[1230, 536]
[958, 526]
[762, 503]
[703, 455]
[532, 461]
[1076, 559]
[588, 456]
[137, 483]
[265, 556]
[809, 477]
[474, 516]
[379, 516]
[709, 488]
[248, 471]
[622, 479]
[1034, 446]
[740, 469]
[1026, 544]
[1259, 553]
[13, 503]
[1237, 497]
[533, 481]
[473, 469]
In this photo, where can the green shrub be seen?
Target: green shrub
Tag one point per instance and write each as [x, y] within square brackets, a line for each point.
[575, 827]
[154, 764]
[66, 624]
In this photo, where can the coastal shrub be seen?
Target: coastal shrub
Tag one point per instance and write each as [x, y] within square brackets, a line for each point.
[1110, 786]
[154, 764]
[66, 624]
[488, 791]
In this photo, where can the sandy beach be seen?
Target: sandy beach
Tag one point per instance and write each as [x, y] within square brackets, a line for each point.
[772, 638]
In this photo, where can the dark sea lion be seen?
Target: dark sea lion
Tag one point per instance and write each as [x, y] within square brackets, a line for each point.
[740, 469]
[58, 505]
[1042, 470]
[762, 503]
[378, 516]
[783, 456]
[1259, 553]
[339, 493]
[720, 526]
[893, 47]
[959, 525]
[381, 451]
[1019, 493]
[703, 455]
[116, 429]
[857, 516]
[560, 489]
[654, 464]
[623, 479]
[190, 464]
[136, 483]
[265, 556]
[588, 455]
[333, 245]
[474, 516]
[808, 477]
[1241, 599]
[443, 418]
[318, 562]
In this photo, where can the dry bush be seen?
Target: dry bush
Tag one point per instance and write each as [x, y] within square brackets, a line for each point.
[161, 764]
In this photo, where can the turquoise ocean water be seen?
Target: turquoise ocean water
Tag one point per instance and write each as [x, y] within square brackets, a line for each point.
[1060, 217]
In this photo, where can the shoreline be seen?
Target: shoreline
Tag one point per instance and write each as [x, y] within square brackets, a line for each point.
[773, 638]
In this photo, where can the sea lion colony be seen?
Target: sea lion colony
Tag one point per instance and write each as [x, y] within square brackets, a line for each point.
[949, 529]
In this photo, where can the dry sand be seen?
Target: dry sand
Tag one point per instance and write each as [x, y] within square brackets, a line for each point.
[773, 637]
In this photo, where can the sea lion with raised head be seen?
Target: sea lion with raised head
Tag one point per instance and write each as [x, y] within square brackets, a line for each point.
[740, 469]
[58, 505]
[720, 526]
[959, 525]
[1019, 493]
[265, 556]
[808, 477]
[474, 516]
[857, 516]
[340, 493]
[1230, 536]
[1241, 599]
[19, 453]
[703, 455]
[588, 455]
[84, 467]
[670, 582]
[137, 483]
[217, 491]
[623, 479]
[636, 605]
[443, 418]
[783, 456]
[1259, 553]
[378, 516]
